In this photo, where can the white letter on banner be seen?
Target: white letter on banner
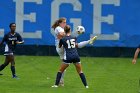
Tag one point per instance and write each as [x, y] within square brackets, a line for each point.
[20, 17]
[98, 19]
[55, 11]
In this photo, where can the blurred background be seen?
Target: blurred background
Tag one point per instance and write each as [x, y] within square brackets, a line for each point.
[115, 22]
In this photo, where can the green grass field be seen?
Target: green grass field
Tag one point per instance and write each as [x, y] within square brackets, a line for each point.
[104, 75]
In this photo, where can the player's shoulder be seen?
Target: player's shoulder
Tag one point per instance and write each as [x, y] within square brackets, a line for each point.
[17, 34]
[72, 37]
[59, 28]
[64, 38]
[6, 34]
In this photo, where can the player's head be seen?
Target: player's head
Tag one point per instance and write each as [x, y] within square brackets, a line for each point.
[67, 29]
[60, 22]
[12, 26]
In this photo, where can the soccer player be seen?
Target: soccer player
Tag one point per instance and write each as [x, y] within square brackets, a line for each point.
[11, 39]
[58, 33]
[70, 56]
[136, 55]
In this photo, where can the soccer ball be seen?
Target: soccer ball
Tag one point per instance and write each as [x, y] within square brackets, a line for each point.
[80, 30]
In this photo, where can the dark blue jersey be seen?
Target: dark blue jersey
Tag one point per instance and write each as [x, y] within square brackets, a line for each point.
[69, 44]
[10, 41]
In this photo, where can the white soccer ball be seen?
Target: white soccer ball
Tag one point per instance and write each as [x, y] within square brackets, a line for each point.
[80, 30]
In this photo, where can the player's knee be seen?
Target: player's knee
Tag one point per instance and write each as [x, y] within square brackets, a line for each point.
[61, 70]
[80, 72]
[5, 64]
[12, 63]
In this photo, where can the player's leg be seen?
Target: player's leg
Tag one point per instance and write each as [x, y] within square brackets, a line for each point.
[59, 74]
[84, 43]
[5, 63]
[12, 60]
[81, 74]
[60, 52]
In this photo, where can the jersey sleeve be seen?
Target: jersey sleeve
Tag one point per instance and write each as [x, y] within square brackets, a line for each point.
[19, 38]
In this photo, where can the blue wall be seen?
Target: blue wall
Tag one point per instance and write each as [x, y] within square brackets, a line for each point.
[125, 22]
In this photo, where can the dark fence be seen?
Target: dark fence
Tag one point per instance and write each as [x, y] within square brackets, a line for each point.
[44, 50]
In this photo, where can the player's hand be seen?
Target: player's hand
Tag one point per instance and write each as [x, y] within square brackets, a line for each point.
[134, 61]
[19, 42]
[60, 35]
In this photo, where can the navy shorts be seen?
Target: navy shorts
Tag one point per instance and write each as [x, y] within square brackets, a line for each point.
[8, 53]
[76, 60]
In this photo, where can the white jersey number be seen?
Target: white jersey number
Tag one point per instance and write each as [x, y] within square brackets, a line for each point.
[13, 42]
[71, 43]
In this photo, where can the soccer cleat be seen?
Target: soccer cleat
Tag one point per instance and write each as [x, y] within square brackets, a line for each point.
[92, 40]
[61, 83]
[54, 86]
[87, 87]
[15, 77]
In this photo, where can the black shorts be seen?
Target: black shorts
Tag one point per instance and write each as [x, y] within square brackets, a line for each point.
[8, 53]
[76, 60]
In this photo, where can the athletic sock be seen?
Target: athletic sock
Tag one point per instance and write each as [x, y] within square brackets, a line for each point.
[13, 71]
[2, 67]
[62, 77]
[83, 44]
[58, 77]
[82, 76]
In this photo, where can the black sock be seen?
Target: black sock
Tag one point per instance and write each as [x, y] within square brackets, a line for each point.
[13, 71]
[2, 67]
[58, 77]
[82, 76]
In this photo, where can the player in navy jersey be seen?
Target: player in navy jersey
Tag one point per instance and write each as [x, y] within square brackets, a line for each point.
[11, 39]
[58, 32]
[70, 56]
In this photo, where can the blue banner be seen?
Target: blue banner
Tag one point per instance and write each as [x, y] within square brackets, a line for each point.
[115, 22]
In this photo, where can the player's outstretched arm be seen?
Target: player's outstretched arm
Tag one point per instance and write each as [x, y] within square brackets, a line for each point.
[20, 42]
[135, 56]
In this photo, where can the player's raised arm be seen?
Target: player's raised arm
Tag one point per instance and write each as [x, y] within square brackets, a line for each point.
[135, 56]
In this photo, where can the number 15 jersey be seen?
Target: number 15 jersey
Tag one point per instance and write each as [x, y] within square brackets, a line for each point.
[69, 44]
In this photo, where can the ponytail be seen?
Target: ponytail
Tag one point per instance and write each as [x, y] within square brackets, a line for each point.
[56, 23]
